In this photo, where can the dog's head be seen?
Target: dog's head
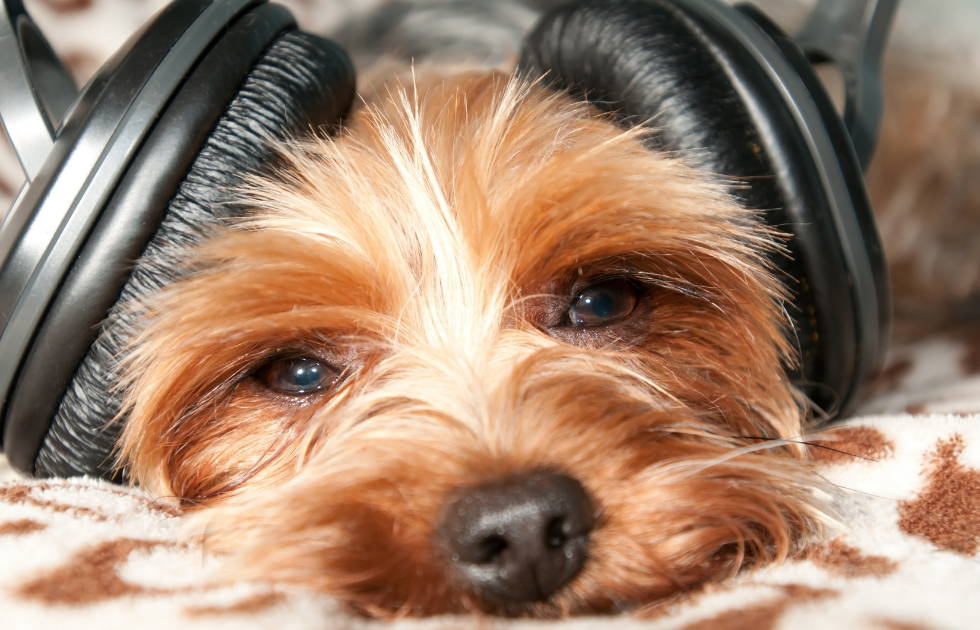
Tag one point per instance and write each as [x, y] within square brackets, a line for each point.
[483, 351]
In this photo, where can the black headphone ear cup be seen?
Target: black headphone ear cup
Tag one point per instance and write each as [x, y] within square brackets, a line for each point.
[649, 63]
[701, 76]
[299, 82]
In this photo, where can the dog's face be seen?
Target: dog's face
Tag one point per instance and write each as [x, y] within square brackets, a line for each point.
[484, 351]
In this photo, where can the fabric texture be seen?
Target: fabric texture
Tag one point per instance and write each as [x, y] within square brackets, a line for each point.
[905, 552]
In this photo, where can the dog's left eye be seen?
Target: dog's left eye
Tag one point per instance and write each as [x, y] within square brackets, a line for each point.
[296, 376]
[603, 303]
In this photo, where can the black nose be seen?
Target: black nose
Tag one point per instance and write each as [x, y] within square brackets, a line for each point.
[520, 539]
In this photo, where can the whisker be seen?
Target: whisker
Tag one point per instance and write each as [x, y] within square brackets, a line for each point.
[808, 443]
[697, 467]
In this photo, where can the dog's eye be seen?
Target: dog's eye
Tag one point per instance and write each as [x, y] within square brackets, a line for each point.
[603, 303]
[296, 376]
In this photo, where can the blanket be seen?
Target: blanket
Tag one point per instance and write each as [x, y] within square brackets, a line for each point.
[903, 554]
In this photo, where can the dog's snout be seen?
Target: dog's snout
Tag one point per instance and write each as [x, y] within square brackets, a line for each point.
[520, 539]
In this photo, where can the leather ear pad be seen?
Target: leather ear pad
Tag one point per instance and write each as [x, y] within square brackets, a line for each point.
[661, 64]
[300, 81]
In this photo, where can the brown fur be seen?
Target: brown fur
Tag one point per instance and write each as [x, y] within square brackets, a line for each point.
[429, 253]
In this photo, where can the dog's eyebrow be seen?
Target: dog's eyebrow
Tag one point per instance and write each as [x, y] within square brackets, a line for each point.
[626, 269]
[672, 283]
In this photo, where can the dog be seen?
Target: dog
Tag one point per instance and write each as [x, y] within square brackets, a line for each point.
[481, 351]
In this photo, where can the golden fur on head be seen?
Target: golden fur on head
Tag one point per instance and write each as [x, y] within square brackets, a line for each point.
[429, 255]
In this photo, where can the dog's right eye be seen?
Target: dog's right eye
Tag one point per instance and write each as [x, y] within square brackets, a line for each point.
[603, 303]
[296, 376]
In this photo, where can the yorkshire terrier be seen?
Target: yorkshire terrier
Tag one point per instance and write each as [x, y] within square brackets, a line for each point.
[482, 351]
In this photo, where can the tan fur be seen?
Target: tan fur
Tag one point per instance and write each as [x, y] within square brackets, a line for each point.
[429, 252]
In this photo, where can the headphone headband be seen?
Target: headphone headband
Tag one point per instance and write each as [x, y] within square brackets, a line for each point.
[851, 34]
[37, 89]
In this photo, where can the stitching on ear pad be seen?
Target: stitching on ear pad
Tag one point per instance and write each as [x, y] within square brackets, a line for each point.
[662, 64]
[299, 81]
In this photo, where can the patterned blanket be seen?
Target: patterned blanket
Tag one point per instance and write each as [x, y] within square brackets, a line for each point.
[904, 554]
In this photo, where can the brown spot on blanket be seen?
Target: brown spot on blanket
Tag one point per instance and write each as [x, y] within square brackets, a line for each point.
[92, 575]
[841, 559]
[24, 493]
[669, 606]
[21, 527]
[151, 504]
[848, 444]
[892, 624]
[946, 511]
[27, 494]
[765, 615]
[252, 604]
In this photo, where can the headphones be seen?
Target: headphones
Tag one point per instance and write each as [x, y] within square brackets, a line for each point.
[139, 164]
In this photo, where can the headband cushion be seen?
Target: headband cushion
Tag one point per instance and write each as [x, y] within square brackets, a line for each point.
[299, 82]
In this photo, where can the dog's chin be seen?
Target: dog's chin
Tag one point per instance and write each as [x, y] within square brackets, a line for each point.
[481, 294]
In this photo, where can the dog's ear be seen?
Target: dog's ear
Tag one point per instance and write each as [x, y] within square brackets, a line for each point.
[730, 94]
[142, 167]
